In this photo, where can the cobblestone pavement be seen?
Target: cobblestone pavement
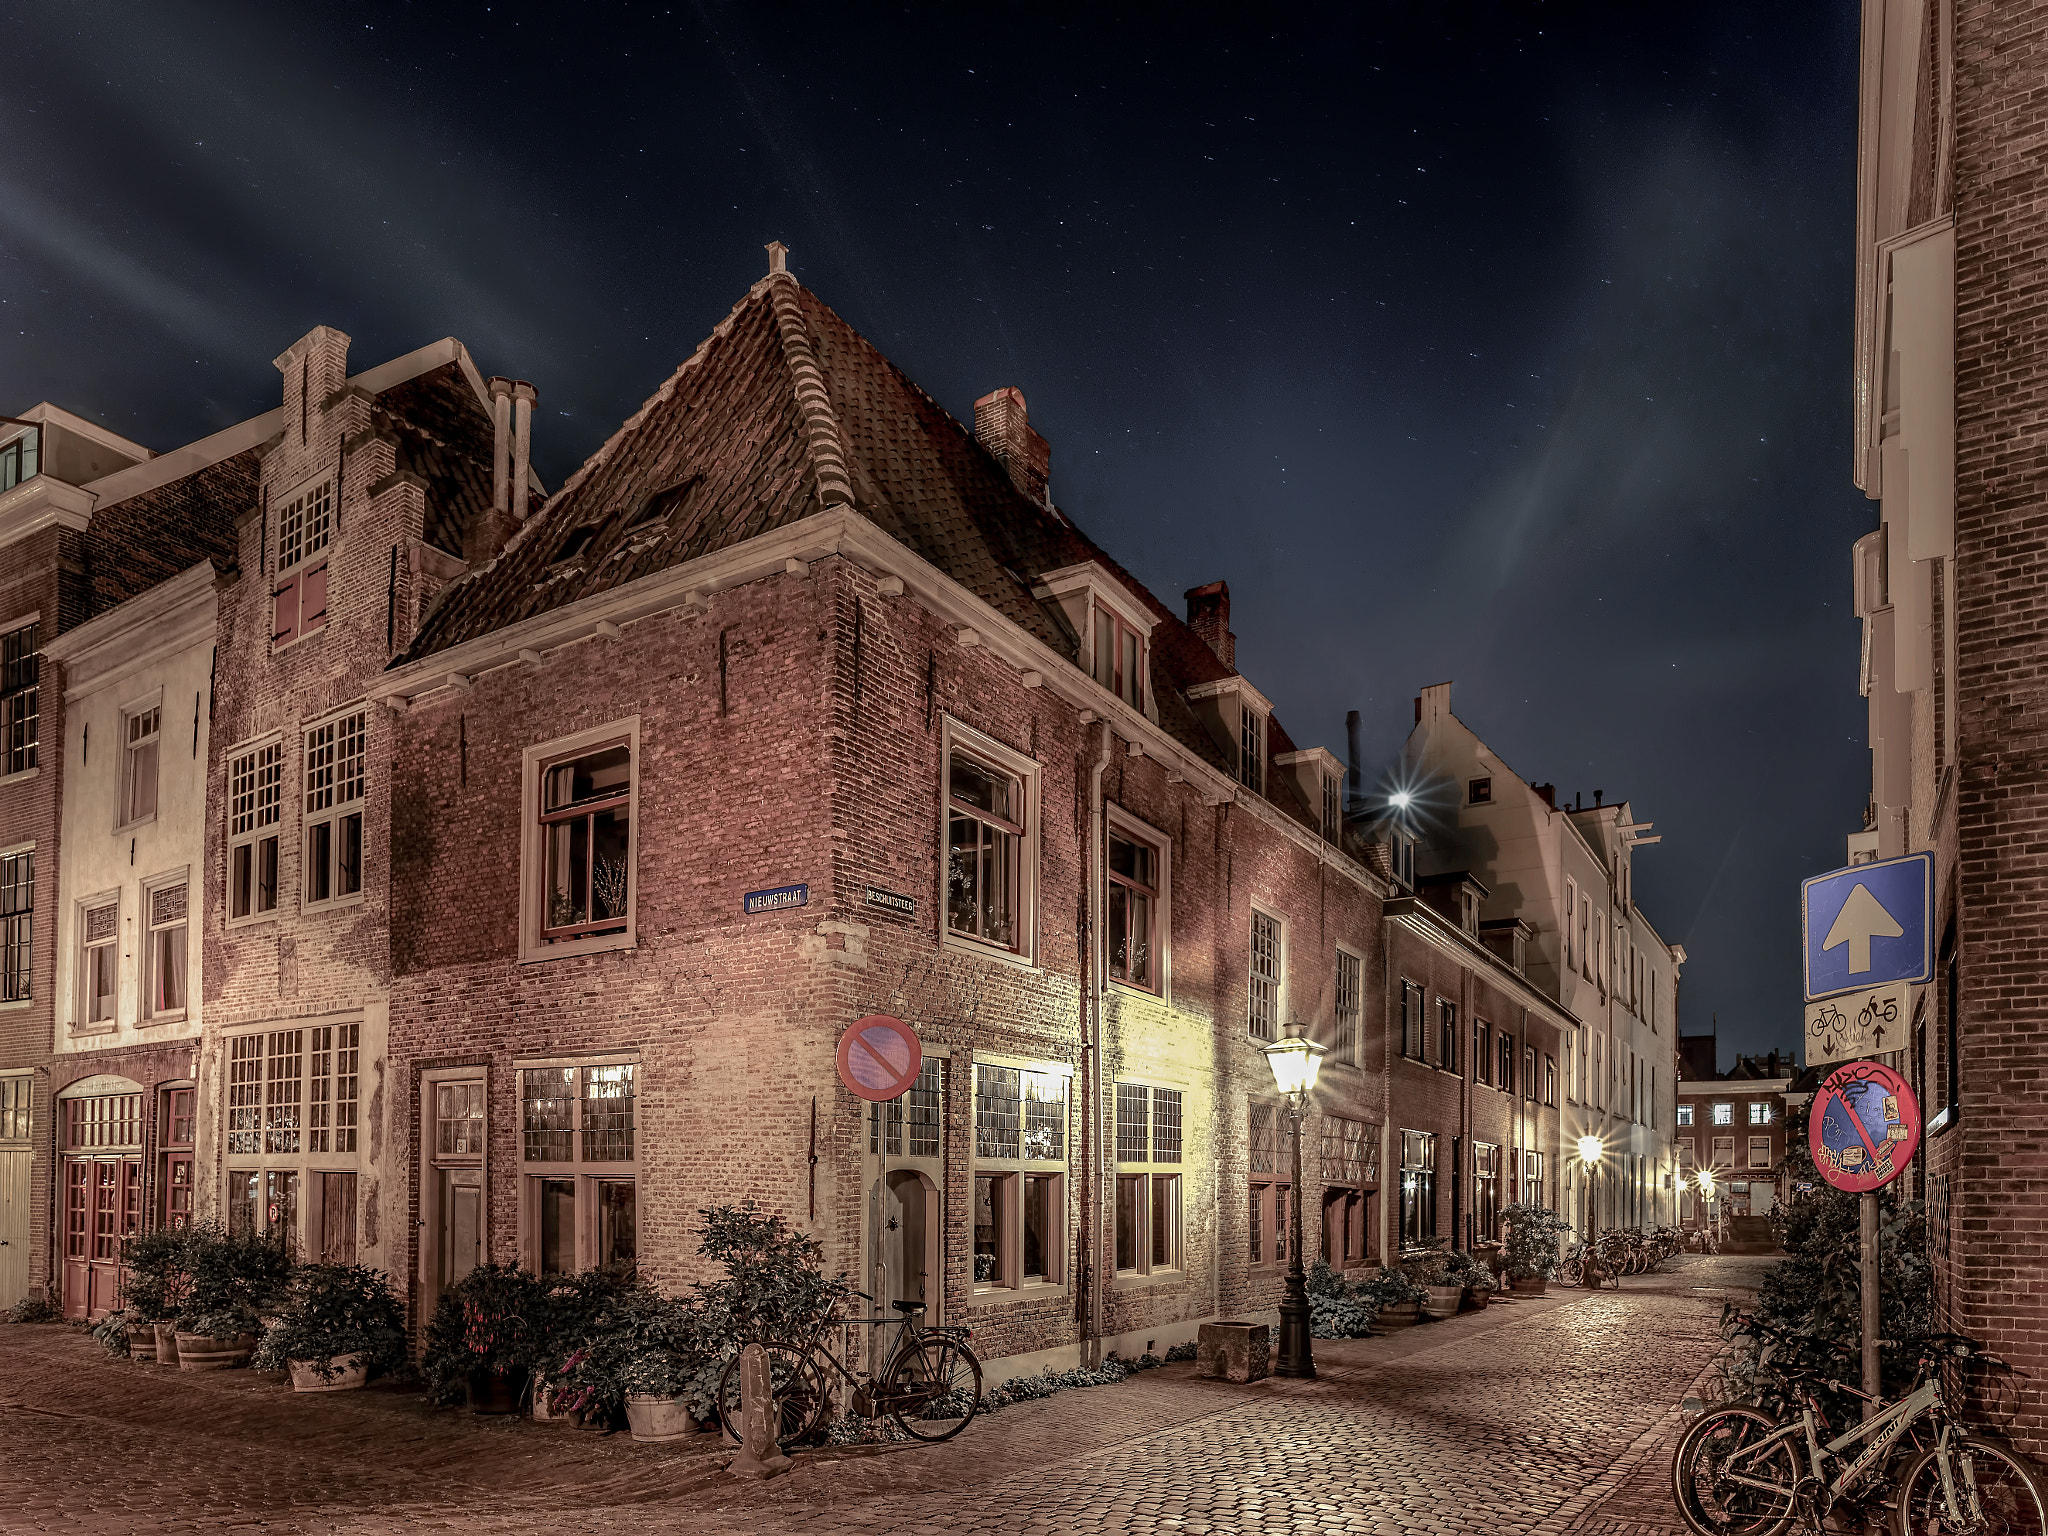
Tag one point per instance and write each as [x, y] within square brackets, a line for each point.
[1546, 1416]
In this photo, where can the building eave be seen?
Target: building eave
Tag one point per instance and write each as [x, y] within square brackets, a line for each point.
[1430, 925]
[171, 616]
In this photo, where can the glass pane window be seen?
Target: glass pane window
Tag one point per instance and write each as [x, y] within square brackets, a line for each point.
[283, 1089]
[1133, 1112]
[1119, 657]
[1532, 1178]
[305, 524]
[578, 1128]
[1262, 1141]
[138, 765]
[547, 1109]
[618, 1219]
[1724, 1114]
[586, 831]
[1165, 1221]
[98, 972]
[103, 1122]
[888, 1133]
[1350, 989]
[1251, 749]
[245, 1095]
[578, 1114]
[1045, 1117]
[1133, 911]
[1447, 1035]
[336, 763]
[168, 955]
[1418, 1186]
[1130, 1195]
[20, 675]
[255, 805]
[459, 1119]
[998, 1112]
[1263, 992]
[14, 1108]
[1041, 1226]
[332, 1085]
[17, 924]
[989, 1198]
[984, 853]
[608, 1113]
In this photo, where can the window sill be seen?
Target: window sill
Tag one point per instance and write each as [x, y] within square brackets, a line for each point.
[17, 1004]
[1139, 1280]
[254, 920]
[531, 953]
[168, 1016]
[315, 908]
[22, 777]
[122, 829]
[93, 1031]
[1006, 1295]
[960, 945]
[1132, 990]
[297, 640]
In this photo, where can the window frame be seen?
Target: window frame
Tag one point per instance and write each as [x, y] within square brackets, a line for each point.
[1123, 826]
[1482, 1051]
[1685, 1116]
[1259, 911]
[17, 926]
[1252, 736]
[296, 577]
[273, 1115]
[1446, 1034]
[17, 1108]
[258, 832]
[1420, 1195]
[1723, 1112]
[1413, 1030]
[990, 754]
[588, 1174]
[1571, 900]
[149, 706]
[337, 813]
[82, 1021]
[1350, 1042]
[1754, 1143]
[1533, 1192]
[1118, 630]
[1486, 1172]
[1268, 1189]
[1549, 1080]
[147, 1013]
[1504, 1077]
[535, 761]
[1529, 1083]
[1012, 1175]
[1479, 790]
[1156, 1179]
[432, 1161]
[1759, 1112]
[21, 670]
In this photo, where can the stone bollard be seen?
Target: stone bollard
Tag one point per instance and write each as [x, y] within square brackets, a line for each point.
[1233, 1351]
[759, 1455]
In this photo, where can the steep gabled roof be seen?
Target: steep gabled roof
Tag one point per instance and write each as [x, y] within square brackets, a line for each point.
[783, 411]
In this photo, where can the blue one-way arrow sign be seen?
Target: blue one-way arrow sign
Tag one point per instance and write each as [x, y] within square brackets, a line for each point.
[1868, 925]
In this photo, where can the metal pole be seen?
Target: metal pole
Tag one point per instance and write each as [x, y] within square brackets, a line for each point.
[1868, 1203]
[1297, 1353]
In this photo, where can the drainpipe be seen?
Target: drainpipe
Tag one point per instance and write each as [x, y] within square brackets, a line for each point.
[1091, 1068]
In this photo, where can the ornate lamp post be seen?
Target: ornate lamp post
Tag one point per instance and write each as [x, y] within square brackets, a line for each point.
[1295, 1060]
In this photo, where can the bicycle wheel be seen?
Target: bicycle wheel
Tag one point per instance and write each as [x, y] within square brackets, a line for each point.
[1569, 1270]
[799, 1390]
[1727, 1482]
[935, 1387]
[1996, 1493]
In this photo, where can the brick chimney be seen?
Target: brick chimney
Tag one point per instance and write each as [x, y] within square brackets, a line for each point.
[1003, 428]
[1209, 617]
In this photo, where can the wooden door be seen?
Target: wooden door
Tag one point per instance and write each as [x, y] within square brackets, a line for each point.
[78, 1172]
[337, 1243]
[177, 1210]
[462, 1224]
[14, 1225]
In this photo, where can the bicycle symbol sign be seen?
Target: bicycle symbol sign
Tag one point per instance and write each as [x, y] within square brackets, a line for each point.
[1853, 1024]
[1865, 1126]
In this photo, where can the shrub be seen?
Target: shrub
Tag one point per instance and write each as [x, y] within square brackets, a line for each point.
[1427, 1263]
[111, 1332]
[337, 1311]
[1531, 1232]
[774, 1285]
[492, 1319]
[35, 1307]
[585, 1321]
[1462, 1268]
[233, 1278]
[158, 1281]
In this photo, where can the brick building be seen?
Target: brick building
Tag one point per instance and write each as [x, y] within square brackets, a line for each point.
[1734, 1124]
[1951, 439]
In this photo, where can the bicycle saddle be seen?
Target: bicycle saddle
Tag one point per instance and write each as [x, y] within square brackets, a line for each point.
[907, 1306]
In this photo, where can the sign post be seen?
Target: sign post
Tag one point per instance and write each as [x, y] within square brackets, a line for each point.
[1864, 1127]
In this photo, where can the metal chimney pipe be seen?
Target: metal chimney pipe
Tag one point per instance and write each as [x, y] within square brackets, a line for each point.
[524, 396]
[1354, 776]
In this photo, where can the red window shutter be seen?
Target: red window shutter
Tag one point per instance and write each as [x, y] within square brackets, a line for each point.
[286, 626]
[313, 597]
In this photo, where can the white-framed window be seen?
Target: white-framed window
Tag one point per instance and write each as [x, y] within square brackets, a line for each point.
[1348, 1004]
[1418, 1187]
[141, 729]
[579, 1161]
[1724, 1114]
[1148, 1178]
[1251, 748]
[1759, 1112]
[1479, 791]
[17, 923]
[1685, 1152]
[1532, 1085]
[1685, 1114]
[294, 1132]
[580, 843]
[1447, 1034]
[1759, 1151]
[1532, 1179]
[1411, 1020]
[1266, 973]
[990, 826]
[1724, 1151]
[1600, 1084]
[16, 1101]
[1571, 903]
[337, 759]
[99, 960]
[1120, 656]
[1020, 1164]
[1270, 1172]
[1599, 971]
[1138, 918]
[255, 807]
[305, 529]
[1485, 1191]
[454, 1138]
[20, 674]
[1571, 1064]
[167, 950]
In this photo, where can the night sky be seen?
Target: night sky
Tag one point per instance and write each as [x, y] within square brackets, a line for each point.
[1506, 344]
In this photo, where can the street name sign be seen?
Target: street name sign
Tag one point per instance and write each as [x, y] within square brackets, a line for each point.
[1868, 925]
[780, 899]
[879, 1058]
[1853, 1024]
[1864, 1126]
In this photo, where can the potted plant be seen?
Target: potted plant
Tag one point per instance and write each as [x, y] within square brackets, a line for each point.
[663, 1376]
[1339, 1308]
[1397, 1299]
[155, 1288]
[1429, 1267]
[341, 1325]
[1473, 1277]
[482, 1340]
[586, 1323]
[1531, 1245]
[234, 1278]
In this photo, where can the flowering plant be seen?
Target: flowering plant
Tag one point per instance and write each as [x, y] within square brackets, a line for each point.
[488, 1321]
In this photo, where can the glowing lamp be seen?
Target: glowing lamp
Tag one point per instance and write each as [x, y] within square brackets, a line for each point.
[1295, 1060]
[1400, 800]
[1590, 1150]
[1706, 1178]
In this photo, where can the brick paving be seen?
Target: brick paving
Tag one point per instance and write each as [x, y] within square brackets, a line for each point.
[1550, 1417]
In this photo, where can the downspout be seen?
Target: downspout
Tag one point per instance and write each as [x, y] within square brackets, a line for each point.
[1091, 1067]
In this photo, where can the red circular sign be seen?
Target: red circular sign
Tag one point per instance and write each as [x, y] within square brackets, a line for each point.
[879, 1058]
[1864, 1127]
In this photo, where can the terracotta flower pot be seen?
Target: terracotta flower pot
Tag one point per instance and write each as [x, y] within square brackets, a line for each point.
[166, 1343]
[142, 1342]
[1529, 1285]
[203, 1352]
[658, 1418]
[495, 1391]
[349, 1374]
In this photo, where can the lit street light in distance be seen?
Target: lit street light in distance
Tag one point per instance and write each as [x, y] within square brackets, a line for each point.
[1590, 1150]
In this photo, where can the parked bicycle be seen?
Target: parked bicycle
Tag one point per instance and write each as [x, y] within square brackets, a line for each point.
[930, 1382]
[1752, 1471]
[1584, 1264]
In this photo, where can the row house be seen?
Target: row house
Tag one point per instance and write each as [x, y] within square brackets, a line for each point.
[1732, 1125]
[1548, 888]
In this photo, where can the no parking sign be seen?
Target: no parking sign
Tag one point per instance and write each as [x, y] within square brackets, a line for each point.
[1865, 1126]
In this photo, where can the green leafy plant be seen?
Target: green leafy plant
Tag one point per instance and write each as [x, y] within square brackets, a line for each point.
[1392, 1288]
[337, 1311]
[584, 1319]
[774, 1285]
[492, 1320]
[1427, 1263]
[234, 1278]
[1461, 1268]
[158, 1280]
[35, 1307]
[1338, 1309]
[1532, 1232]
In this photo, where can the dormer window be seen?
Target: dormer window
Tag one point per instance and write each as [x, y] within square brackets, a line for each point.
[1119, 656]
[305, 528]
[1401, 850]
[1251, 749]
[1469, 911]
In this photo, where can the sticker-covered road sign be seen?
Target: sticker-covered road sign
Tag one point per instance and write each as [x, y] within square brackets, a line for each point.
[1867, 1022]
[1867, 925]
[1864, 1126]
[879, 1058]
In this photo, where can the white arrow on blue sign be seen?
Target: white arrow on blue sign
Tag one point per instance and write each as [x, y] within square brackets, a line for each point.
[1868, 925]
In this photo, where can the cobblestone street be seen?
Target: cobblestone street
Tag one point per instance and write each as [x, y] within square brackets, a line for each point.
[1546, 1415]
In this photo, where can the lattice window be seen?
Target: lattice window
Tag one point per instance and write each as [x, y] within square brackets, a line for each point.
[1133, 1107]
[1262, 1149]
[1350, 1151]
[998, 1112]
[459, 1119]
[1263, 1001]
[104, 1121]
[1251, 749]
[14, 1108]
[20, 674]
[17, 924]
[255, 789]
[305, 524]
[1045, 1117]
[1349, 990]
[283, 1091]
[1165, 1125]
[920, 1105]
[336, 758]
[608, 1104]
[245, 1095]
[547, 1114]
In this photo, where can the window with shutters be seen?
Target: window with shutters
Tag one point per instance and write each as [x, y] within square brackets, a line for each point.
[166, 951]
[99, 971]
[305, 530]
[17, 923]
[336, 763]
[1264, 997]
[140, 730]
[255, 806]
[20, 673]
[1148, 1178]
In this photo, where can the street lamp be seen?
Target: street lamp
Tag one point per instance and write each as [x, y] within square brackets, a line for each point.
[1295, 1060]
[1590, 1148]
